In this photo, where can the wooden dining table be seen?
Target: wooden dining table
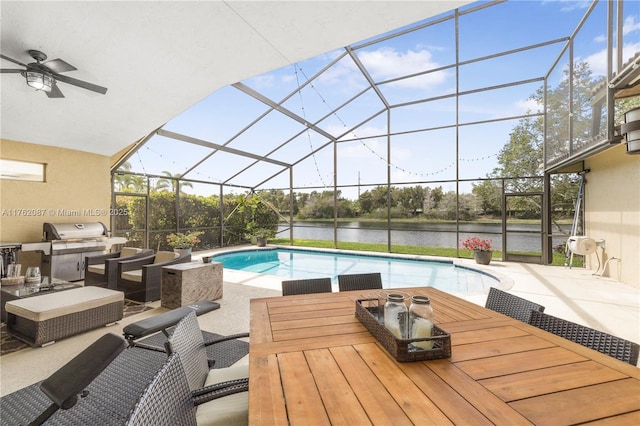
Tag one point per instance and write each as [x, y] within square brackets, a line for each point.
[311, 362]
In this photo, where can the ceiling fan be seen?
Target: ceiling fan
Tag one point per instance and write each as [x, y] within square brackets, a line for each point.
[44, 75]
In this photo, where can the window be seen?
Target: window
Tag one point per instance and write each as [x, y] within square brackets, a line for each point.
[21, 170]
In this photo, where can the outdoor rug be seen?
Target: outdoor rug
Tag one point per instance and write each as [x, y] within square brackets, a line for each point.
[9, 344]
[112, 395]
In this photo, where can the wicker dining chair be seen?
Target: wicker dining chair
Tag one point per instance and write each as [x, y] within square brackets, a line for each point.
[167, 400]
[368, 281]
[616, 347]
[207, 383]
[511, 305]
[306, 286]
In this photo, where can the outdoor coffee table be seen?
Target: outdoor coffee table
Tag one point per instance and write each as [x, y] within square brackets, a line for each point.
[22, 291]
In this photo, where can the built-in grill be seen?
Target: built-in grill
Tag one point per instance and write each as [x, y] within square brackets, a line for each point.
[70, 244]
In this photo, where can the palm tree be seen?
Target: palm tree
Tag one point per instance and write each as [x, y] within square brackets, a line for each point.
[124, 181]
[170, 182]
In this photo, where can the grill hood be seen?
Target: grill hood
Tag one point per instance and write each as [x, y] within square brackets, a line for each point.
[73, 231]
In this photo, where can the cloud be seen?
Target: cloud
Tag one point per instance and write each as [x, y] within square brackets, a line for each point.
[262, 81]
[528, 105]
[388, 63]
[345, 75]
[568, 5]
[288, 77]
[598, 60]
[368, 153]
[600, 39]
[630, 25]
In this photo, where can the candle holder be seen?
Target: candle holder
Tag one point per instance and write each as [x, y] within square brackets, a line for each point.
[403, 350]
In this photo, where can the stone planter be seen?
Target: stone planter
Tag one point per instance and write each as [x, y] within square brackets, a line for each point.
[482, 257]
[261, 242]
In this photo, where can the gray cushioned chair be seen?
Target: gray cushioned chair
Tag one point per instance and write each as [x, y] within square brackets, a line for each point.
[511, 305]
[306, 286]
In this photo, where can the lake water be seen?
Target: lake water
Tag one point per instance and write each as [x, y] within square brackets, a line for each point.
[522, 236]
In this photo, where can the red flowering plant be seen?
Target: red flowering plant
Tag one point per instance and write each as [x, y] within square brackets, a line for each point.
[477, 244]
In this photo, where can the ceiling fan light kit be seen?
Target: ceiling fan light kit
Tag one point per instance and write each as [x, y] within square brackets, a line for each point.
[44, 76]
[39, 81]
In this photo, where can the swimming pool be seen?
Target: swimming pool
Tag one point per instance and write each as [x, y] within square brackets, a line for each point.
[396, 272]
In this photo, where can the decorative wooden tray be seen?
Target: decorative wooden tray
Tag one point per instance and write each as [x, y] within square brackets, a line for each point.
[402, 349]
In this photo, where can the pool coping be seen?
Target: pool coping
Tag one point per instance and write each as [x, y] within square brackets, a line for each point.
[505, 283]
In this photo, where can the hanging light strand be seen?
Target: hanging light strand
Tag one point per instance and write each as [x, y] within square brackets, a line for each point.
[141, 163]
[373, 151]
[308, 132]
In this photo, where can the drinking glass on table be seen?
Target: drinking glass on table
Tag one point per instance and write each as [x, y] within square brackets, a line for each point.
[13, 270]
[33, 275]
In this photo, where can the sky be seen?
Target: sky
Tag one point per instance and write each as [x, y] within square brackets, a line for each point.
[427, 157]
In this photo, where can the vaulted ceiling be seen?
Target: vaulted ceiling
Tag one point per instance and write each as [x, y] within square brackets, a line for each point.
[158, 58]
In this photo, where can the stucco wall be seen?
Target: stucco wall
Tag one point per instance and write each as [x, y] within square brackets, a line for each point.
[612, 211]
[77, 189]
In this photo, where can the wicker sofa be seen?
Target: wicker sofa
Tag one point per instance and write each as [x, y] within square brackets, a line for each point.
[102, 270]
[140, 279]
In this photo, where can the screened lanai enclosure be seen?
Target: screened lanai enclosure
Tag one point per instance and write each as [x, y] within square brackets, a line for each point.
[473, 123]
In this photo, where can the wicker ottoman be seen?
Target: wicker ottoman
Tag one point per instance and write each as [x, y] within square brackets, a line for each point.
[44, 319]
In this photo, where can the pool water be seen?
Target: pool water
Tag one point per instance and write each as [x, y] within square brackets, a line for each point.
[396, 272]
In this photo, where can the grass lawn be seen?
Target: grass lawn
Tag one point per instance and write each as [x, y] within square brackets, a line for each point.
[558, 258]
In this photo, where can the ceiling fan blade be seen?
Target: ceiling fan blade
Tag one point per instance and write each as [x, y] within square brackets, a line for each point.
[58, 65]
[9, 71]
[55, 92]
[80, 83]
[12, 60]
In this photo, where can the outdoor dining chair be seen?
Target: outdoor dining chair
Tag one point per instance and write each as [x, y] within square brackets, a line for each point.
[368, 281]
[166, 400]
[305, 286]
[605, 343]
[67, 384]
[511, 305]
[206, 382]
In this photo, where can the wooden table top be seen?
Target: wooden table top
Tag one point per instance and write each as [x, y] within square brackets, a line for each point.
[312, 362]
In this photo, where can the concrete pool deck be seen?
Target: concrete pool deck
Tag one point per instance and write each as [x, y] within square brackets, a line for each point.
[574, 294]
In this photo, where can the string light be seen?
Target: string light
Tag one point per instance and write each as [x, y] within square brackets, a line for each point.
[354, 135]
[379, 156]
[313, 154]
[141, 164]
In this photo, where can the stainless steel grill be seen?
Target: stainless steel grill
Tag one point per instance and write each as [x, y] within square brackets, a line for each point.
[70, 244]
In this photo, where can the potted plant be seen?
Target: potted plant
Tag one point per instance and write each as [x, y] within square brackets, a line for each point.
[262, 222]
[184, 242]
[482, 252]
[262, 234]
